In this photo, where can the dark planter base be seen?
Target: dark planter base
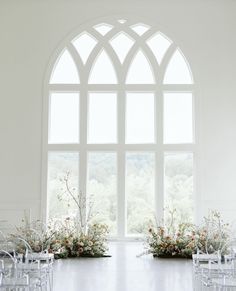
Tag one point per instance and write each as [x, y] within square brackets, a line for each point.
[172, 257]
[58, 256]
[96, 256]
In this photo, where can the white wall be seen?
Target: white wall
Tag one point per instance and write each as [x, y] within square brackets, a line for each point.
[31, 30]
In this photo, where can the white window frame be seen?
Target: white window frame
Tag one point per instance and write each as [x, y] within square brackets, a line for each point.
[159, 148]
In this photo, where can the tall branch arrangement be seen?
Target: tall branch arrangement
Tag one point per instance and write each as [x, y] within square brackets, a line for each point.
[84, 205]
[71, 237]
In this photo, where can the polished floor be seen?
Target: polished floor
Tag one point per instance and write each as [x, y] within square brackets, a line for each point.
[123, 272]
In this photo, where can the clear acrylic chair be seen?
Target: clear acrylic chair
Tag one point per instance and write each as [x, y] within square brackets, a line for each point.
[11, 278]
[38, 265]
[214, 272]
[35, 267]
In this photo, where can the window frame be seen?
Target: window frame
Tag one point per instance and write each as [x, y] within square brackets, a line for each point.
[121, 89]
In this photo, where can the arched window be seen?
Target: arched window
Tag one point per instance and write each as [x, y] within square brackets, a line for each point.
[120, 120]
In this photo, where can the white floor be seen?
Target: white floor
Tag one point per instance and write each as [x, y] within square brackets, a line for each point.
[123, 272]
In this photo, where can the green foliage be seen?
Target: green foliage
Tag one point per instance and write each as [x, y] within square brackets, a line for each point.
[179, 187]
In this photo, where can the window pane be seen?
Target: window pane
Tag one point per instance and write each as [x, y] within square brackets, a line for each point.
[122, 43]
[103, 71]
[102, 118]
[179, 186]
[159, 45]
[65, 71]
[178, 115]
[64, 118]
[59, 164]
[140, 70]
[102, 187]
[103, 28]
[140, 28]
[178, 71]
[139, 191]
[84, 45]
[140, 118]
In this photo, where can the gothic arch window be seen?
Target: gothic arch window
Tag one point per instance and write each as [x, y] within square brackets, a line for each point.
[120, 120]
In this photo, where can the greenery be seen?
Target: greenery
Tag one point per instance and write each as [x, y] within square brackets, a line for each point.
[179, 187]
[102, 184]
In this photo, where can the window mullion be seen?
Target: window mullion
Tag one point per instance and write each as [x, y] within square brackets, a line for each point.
[159, 165]
[83, 143]
[121, 201]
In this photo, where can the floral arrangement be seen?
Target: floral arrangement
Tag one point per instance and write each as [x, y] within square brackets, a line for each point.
[31, 236]
[184, 239]
[179, 244]
[72, 237]
[61, 239]
[93, 243]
